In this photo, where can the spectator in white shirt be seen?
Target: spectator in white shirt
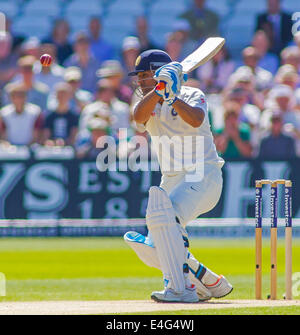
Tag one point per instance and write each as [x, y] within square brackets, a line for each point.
[268, 60]
[263, 77]
[31, 47]
[291, 55]
[108, 107]
[80, 98]
[49, 75]
[37, 92]
[287, 75]
[214, 74]
[20, 121]
[244, 78]
[281, 98]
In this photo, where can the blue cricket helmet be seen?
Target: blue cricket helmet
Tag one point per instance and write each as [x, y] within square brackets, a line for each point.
[150, 60]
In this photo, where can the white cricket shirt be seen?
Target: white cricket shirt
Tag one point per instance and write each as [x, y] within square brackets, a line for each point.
[190, 146]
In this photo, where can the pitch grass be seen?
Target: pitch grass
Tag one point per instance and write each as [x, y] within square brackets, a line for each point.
[288, 310]
[107, 269]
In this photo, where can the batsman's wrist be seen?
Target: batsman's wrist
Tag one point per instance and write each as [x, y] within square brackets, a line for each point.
[156, 92]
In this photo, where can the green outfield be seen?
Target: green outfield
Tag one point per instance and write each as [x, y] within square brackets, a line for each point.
[39, 269]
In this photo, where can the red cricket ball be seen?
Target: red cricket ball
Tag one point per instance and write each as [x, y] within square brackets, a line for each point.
[46, 60]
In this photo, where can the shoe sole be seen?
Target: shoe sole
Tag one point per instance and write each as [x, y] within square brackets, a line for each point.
[222, 296]
[205, 299]
[153, 297]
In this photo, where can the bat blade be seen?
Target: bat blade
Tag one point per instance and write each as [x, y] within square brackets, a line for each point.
[204, 53]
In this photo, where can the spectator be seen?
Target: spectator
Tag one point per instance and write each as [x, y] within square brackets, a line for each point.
[100, 48]
[263, 78]
[183, 28]
[281, 98]
[60, 38]
[130, 50]
[79, 98]
[112, 71]
[291, 55]
[287, 75]
[142, 34]
[21, 121]
[37, 92]
[244, 78]
[174, 45]
[90, 145]
[61, 125]
[108, 107]
[279, 25]
[233, 141]
[49, 75]
[84, 59]
[204, 22]
[214, 74]
[31, 47]
[192, 82]
[247, 112]
[277, 145]
[267, 60]
[8, 60]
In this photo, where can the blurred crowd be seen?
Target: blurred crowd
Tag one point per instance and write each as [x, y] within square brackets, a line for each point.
[254, 101]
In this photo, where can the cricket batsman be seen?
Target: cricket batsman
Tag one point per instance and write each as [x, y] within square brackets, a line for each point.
[170, 110]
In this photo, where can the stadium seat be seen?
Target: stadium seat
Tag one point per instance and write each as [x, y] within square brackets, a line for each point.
[291, 6]
[78, 22]
[116, 27]
[220, 7]
[254, 5]
[242, 20]
[79, 7]
[32, 26]
[9, 8]
[159, 29]
[115, 36]
[167, 8]
[43, 8]
[126, 23]
[237, 39]
[128, 7]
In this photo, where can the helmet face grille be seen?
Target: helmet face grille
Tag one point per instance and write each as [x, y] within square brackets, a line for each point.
[138, 89]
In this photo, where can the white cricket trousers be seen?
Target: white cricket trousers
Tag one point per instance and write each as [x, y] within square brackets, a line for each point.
[191, 199]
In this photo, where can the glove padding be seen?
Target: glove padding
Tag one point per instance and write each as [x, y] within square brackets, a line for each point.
[162, 89]
[170, 79]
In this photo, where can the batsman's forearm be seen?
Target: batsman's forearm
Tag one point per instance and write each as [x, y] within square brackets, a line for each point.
[194, 116]
[145, 107]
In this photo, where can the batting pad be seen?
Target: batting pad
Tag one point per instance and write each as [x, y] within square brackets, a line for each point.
[165, 231]
[145, 251]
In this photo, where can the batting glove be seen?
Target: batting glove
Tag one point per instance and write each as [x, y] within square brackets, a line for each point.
[169, 79]
[162, 89]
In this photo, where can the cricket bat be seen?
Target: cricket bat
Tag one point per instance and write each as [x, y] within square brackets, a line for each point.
[203, 54]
